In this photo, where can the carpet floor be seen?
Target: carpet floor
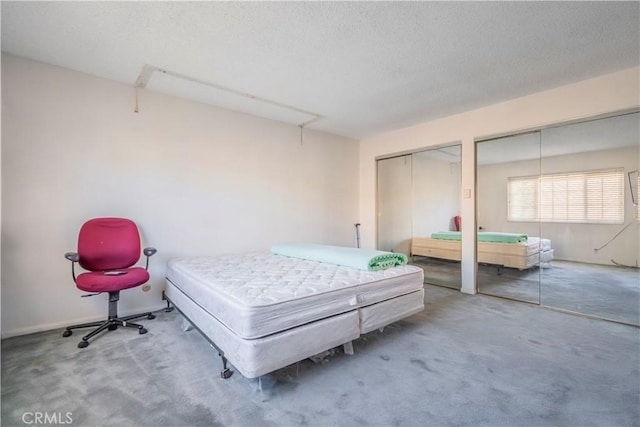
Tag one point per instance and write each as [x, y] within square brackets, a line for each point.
[606, 291]
[464, 361]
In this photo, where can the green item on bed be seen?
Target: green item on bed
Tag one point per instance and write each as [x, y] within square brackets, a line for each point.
[362, 259]
[483, 236]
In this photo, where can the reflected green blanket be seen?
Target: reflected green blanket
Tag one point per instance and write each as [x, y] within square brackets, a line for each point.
[362, 259]
[483, 236]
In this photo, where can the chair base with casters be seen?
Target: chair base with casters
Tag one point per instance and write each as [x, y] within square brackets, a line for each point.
[111, 324]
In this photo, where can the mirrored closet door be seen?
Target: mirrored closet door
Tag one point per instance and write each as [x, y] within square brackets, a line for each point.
[394, 204]
[436, 215]
[508, 235]
[590, 217]
[419, 198]
[569, 195]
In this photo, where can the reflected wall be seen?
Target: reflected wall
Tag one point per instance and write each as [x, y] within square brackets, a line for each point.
[436, 203]
[596, 243]
[498, 161]
[568, 186]
[419, 194]
[394, 204]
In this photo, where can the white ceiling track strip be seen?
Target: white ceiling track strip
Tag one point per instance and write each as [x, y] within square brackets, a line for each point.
[148, 71]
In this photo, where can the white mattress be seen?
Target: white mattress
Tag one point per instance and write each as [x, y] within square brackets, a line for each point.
[546, 256]
[545, 244]
[261, 356]
[532, 246]
[258, 294]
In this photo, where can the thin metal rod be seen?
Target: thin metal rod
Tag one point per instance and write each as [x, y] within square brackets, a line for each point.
[147, 70]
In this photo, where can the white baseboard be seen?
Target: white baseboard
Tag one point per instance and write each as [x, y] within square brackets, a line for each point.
[63, 324]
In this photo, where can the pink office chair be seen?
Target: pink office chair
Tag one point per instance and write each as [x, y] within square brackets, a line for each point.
[108, 248]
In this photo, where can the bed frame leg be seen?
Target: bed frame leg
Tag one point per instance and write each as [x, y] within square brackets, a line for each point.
[226, 372]
[169, 309]
[348, 348]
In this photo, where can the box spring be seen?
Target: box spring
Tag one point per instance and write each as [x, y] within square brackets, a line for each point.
[514, 255]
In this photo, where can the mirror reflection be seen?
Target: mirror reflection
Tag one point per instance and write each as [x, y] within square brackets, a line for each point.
[510, 250]
[394, 204]
[570, 193]
[419, 197]
[436, 242]
[588, 211]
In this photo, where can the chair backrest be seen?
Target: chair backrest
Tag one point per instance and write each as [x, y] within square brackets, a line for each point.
[108, 244]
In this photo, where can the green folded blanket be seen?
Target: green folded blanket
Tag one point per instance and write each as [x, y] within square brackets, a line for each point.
[483, 236]
[362, 259]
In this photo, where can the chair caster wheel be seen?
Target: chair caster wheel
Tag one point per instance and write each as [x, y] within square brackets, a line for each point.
[142, 331]
[67, 333]
[83, 344]
[151, 316]
[113, 327]
[226, 373]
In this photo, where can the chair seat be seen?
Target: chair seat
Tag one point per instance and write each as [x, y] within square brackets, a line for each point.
[109, 281]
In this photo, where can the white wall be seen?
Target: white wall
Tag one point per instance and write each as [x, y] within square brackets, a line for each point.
[572, 242]
[602, 95]
[196, 179]
[436, 194]
[394, 204]
[417, 195]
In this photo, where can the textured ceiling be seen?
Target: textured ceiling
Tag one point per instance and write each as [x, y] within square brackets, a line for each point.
[364, 67]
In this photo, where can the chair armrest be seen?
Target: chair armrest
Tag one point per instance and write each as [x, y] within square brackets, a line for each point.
[72, 256]
[149, 251]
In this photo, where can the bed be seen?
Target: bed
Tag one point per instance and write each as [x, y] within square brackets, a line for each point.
[510, 250]
[264, 311]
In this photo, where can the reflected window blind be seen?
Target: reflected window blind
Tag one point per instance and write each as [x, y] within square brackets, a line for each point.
[584, 197]
[523, 199]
